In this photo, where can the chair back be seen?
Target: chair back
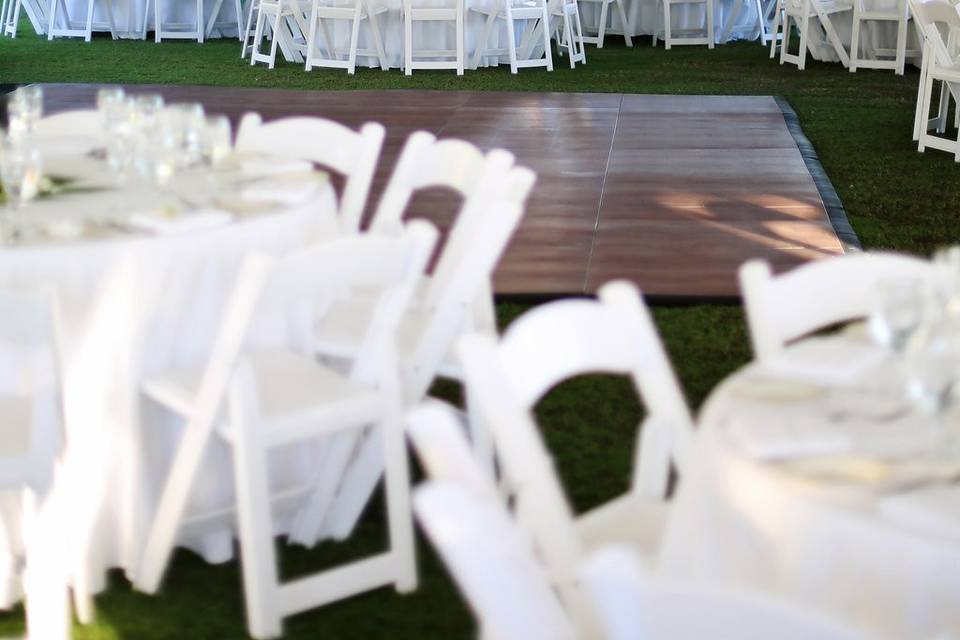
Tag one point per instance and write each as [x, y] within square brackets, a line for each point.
[491, 560]
[940, 23]
[353, 154]
[819, 294]
[633, 604]
[31, 434]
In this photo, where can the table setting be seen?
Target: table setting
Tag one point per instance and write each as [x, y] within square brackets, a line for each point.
[830, 473]
[138, 221]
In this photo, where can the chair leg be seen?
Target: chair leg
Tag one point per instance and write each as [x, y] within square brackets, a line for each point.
[257, 35]
[312, 36]
[925, 110]
[377, 39]
[774, 31]
[855, 38]
[88, 35]
[201, 23]
[407, 40]
[399, 514]
[354, 39]
[484, 41]
[901, 42]
[459, 38]
[547, 49]
[276, 38]
[602, 25]
[711, 34]
[803, 42]
[944, 108]
[511, 44]
[254, 524]
[667, 20]
[238, 9]
[51, 19]
[623, 20]
[919, 118]
[246, 29]
[656, 13]
[157, 24]
[16, 18]
[146, 12]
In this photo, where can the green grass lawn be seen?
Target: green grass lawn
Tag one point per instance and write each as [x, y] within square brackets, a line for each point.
[859, 123]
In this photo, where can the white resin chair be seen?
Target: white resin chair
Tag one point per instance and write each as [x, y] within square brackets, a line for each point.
[72, 28]
[453, 301]
[354, 12]
[286, 24]
[812, 19]
[511, 11]
[193, 30]
[565, 17]
[632, 604]
[940, 23]
[353, 154]
[874, 56]
[415, 58]
[551, 343]
[278, 397]
[817, 295]
[671, 36]
[31, 437]
[603, 26]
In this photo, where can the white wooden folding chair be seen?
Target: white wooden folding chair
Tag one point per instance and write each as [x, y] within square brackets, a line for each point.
[352, 154]
[603, 23]
[278, 397]
[490, 558]
[511, 11]
[193, 30]
[72, 28]
[212, 22]
[633, 603]
[354, 12]
[549, 344]
[812, 19]
[32, 437]
[249, 28]
[285, 23]
[567, 29]
[10, 17]
[455, 300]
[787, 307]
[874, 56]
[433, 58]
[671, 36]
[940, 23]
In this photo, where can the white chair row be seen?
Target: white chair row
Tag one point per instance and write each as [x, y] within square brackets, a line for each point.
[311, 38]
[940, 24]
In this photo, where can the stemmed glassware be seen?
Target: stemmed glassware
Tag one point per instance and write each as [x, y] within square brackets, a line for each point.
[900, 309]
[24, 109]
[21, 169]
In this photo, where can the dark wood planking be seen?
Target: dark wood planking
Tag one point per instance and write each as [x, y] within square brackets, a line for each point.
[672, 192]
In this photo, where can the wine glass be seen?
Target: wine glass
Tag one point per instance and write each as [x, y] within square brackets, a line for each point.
[188, 122]
[217, 145]
[932, 363]
[899, 311]
[110, 101]
[146, 109]
[24, 109]
[20, 172]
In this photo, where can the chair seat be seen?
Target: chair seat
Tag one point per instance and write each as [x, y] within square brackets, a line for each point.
[344, 326]
[15, 420]
[319, 394]
[632, 519]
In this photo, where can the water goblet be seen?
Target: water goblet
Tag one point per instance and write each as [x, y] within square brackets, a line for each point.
[146, 109]
[21, 169]
[900, 310]
[24, 109]
[188, 121]
[932, 363]
[217, 145]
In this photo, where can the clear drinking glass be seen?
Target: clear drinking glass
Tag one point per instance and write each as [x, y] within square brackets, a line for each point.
[217, 140]
[109, 102]
[24, 109]
[949, 290]
[157, 150]
[21, 168]
[119, 122]
[900, 310]
[189, 124]
[932, 364]
[146, 109]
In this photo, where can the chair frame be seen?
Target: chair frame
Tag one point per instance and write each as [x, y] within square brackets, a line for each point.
[68, 30]
[411, 14]
[708, 38]
[360, 11]
[506, 11]
[901, 16]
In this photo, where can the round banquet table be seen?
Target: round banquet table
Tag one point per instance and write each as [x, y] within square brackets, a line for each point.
[132, 303]
[829, 530]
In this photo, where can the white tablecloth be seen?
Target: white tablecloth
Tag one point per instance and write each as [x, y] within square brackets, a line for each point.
[130, 306]
[747, 523]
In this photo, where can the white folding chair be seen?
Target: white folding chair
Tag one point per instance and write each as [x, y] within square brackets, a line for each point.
[353, 154]
[433, 58]
[787, 307]
[281, 397]
[819, 35]
[632, 604]
[72, 28]
[10, 17]
[874, 56]
[568, 30]
[215, 13]
[547, 345]
[511, 11]
[603, 26]
[455, 300]
[490, 558]
[285, 23]
[30, 443]
[671, 36]
[940, 23]
[193, 30]
[354, 12]
[249, 28]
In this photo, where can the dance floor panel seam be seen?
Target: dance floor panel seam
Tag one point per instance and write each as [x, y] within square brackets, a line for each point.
[671, 192]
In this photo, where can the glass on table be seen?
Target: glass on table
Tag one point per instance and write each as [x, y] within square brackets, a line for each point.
[932, 364]
[901, 306]
[156, 150]
[948, 292]
[21, 169]
[24, 109]
[217, 140]
[189, 121]
[146, 110]
[111, 104]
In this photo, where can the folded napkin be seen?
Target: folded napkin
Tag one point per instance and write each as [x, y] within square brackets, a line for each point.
[826, 361]
[934, 510]
[778, 439]
[162, 224]
[274, 166]
[289, 188]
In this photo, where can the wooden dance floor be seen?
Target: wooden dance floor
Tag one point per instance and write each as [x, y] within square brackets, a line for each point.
[672, 192]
